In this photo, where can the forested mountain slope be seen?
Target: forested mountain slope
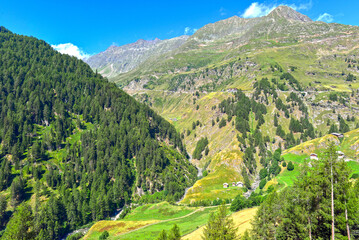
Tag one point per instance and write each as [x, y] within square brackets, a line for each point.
[74, 147]
[298, 79]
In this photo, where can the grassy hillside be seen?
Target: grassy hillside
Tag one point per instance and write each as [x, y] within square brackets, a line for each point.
[155, 217]
[224, 161]
[147, 221]
[321, 59]
[242, 220]
[186, 86]
[299, 155]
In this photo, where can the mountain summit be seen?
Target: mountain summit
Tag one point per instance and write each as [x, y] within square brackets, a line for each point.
[119, 59]
[289, 14]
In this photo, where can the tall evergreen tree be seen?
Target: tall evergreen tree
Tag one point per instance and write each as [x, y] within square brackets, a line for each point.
[21, 225]
[220, 226]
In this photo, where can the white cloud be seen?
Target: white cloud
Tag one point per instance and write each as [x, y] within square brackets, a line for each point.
[260, 9]
[325, 17]
[222, 11]
[189, 31]
[304, 6]
[71, 49]
[257, 10]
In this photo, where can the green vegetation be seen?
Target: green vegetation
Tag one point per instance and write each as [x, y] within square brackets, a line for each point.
[74, 146]
[186, 224]
[304, 210]
[290, 166]
[174, 234]
[200, 147]
[159, 211]
[240, 202]
[220, 226]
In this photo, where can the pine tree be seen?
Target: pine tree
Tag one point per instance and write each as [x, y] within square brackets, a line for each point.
[163, 235]
[246, 236]
[220, 226]
[174, 233]
[3, 205]
[21, 225]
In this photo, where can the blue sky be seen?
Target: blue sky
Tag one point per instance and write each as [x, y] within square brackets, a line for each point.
[88, 27]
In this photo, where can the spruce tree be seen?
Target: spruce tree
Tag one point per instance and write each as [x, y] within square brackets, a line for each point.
[174, 233]
[220, 226]
[21, 225]
[163, 235]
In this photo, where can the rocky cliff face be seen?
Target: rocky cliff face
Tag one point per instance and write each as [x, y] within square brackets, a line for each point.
[120, 59]
[216, 57]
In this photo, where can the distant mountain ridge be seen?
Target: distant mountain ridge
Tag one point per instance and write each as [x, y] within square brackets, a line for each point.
[120, 59]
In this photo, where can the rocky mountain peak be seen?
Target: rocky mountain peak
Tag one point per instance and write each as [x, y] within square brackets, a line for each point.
[289, 14]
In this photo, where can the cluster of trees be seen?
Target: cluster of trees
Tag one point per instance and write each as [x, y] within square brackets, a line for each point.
[202, 145]
[276, 67]
[350, 77]
[296, 100]
[302, 126]
[240, 202]
[173, 234]
[264, 87]
[271, 166]
[343, 126]
[206, 203]
[292, 81]
[46, 96]
[282, 107]
[322, 203]
[241, 108]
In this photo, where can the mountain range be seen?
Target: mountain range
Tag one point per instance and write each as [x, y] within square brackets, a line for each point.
[313, 59]
[122, 59]
[150, 137]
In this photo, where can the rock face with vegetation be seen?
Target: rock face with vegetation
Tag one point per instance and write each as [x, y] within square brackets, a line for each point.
[297, 79]
[122, 59]
[74, 146]
[235, 51]
[249, 100]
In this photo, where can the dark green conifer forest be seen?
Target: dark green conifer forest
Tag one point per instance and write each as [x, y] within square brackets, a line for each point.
[74, 147]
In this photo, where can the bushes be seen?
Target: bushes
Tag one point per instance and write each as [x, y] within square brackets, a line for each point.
[262, 184]
[263, 173]
[240, 202]
[333, 97]
[290, 166]
[222, 123]
[104, 235]
[75, 236]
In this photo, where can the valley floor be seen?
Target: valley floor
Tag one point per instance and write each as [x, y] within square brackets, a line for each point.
[151, 219]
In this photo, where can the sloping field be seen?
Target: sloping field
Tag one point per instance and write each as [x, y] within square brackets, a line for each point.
[115, 228]
[241, 219]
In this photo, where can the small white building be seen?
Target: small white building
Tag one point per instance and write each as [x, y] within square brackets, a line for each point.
[225, 185]
[341, 155]
[240, 184]
[232, 90]
[313, 156]
[339, 135]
